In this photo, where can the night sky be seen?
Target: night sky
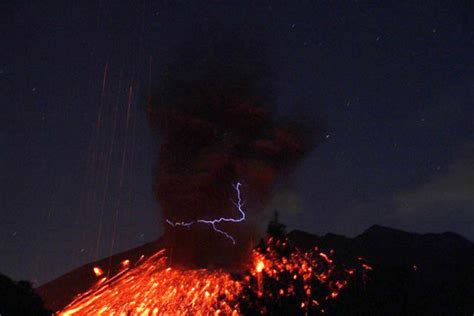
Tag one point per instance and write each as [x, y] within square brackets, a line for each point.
[394, 85]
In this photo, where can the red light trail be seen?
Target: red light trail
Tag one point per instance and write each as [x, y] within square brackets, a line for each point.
[278, 277]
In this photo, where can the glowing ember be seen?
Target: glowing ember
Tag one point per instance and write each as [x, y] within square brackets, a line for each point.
[152, 288]
[280, 277]
[98, 271]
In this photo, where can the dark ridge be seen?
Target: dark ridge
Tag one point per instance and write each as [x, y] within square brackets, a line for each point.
[425, 274]
[60, 291]
[19, 298]
[379, 230]
[386, 244]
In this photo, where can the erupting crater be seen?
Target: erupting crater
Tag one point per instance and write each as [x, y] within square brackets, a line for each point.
[279, 278]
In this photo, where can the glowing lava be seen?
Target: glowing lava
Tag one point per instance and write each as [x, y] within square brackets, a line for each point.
[279, 278]
[152, 288]
[98, 271]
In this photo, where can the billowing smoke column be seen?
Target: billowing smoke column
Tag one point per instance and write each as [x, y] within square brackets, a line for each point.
[216, 129]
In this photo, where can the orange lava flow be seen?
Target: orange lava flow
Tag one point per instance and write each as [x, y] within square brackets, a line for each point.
[151, 288]
[274, 279]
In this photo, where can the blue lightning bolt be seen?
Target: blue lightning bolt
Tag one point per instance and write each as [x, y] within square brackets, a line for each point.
[239, 204]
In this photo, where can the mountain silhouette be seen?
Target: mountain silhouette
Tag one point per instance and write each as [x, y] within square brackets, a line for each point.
[19, 298]
[412, 274]
[62, 290]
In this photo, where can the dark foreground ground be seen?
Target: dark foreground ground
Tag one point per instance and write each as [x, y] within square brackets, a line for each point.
[413, 274]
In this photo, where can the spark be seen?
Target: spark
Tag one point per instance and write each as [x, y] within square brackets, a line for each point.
[98, 271]
[239, 204]
[279, 275]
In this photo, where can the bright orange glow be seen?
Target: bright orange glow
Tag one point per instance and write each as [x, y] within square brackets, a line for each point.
[151, 287]
[366, 267]
[98, 271]
[325, 256]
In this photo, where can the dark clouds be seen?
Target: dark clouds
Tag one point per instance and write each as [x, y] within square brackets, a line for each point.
[217, 126]
[393, 81]
[444, 202]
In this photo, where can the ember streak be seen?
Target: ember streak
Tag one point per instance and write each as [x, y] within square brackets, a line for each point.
[215, 126]
[279, 278]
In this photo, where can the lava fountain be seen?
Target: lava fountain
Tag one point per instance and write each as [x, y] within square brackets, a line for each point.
[280, 278]
[215, 126]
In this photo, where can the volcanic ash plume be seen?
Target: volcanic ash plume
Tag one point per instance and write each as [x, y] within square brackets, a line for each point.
[216, 128]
